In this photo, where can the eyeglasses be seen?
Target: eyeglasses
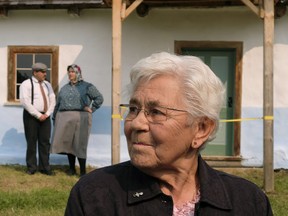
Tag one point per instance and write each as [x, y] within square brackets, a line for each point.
[153, 114]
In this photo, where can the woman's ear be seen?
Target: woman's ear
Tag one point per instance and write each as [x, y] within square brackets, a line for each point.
[204, 128]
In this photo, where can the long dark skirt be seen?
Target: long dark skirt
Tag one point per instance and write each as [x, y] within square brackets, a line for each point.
[71, 133]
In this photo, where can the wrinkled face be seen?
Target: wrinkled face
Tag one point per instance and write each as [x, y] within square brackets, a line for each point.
[40, 75]
[162, 144]
[72, 75]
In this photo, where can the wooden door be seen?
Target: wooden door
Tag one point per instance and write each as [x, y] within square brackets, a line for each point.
[222, 62]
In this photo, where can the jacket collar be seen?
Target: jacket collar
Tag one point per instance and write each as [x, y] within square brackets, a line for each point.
[212, 189]
[142, 187]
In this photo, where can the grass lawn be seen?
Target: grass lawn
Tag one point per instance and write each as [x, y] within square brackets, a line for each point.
[38, 194]
[42, 195]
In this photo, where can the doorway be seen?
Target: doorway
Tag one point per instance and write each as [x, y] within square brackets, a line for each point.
[223, 62]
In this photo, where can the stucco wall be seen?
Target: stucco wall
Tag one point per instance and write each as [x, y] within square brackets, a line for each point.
[86, 40]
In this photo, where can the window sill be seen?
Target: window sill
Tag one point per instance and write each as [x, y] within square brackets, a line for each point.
[223, 161]
[14, 104]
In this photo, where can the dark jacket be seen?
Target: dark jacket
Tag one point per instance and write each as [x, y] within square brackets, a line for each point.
[123, 190]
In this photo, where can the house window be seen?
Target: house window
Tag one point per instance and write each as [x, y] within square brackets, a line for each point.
[21, 58]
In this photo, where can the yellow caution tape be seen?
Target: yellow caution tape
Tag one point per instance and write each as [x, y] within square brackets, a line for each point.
[247, 119]
[268, 117]
[117, 116]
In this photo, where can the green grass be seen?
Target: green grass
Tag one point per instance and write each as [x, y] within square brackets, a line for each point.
[279, 198]
[35, 195]
[42, 195]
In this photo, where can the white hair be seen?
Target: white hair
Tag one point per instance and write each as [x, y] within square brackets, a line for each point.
[203, 91]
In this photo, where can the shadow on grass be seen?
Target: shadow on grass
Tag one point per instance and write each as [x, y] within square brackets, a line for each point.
[22, 168]
[55, 168]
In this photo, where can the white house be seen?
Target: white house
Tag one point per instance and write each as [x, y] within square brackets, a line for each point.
[228, 38]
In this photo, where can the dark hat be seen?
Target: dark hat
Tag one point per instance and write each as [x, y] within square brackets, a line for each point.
[39, 67]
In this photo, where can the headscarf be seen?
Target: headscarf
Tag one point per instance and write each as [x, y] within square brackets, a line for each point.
[77, 70]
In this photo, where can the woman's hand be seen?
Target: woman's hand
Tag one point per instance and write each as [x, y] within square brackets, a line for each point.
[88, 109]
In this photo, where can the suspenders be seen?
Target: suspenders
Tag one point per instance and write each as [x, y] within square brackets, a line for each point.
[32, 90]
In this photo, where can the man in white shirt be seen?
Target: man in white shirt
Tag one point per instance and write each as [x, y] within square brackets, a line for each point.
[38, 99]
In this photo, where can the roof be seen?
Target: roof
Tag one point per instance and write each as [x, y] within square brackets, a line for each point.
[76, 5]
[13, 4]
[50, 4]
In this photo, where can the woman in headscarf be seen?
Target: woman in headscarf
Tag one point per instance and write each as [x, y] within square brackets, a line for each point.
[76, 102]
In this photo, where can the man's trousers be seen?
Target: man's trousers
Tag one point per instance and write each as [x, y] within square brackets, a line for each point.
[37, 132]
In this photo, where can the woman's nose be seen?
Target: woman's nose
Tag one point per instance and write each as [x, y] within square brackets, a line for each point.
[140, 122]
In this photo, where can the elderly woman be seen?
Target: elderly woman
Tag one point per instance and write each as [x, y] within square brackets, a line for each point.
[76, 102]
[173, 111]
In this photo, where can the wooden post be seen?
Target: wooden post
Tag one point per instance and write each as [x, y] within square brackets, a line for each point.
[268, 95]
[116, 79]
[119, 13]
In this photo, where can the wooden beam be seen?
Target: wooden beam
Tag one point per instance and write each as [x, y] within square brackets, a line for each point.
[130, 9]
[116, 79]
[268, 96]
[257, 10]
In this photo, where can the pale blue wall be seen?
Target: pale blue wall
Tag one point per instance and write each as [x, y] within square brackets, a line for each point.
[13, 143]
[252, 137]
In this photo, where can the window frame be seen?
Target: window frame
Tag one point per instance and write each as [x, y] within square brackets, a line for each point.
[13, 50]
